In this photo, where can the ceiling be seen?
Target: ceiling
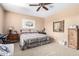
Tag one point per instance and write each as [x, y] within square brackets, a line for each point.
[24, 8]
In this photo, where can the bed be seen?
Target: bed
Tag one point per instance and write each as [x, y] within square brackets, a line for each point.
[33, 39]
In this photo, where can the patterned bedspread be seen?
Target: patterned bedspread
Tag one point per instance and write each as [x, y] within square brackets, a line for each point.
[28, 40]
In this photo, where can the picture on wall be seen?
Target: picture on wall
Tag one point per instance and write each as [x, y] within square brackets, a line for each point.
[58, 26]
[28, 24]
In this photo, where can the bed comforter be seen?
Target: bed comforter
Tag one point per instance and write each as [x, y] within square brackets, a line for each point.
[28, 40]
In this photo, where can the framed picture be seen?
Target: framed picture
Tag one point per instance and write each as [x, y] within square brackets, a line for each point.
[28, 24]
[58, 26]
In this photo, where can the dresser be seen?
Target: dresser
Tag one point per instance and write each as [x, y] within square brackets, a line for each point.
[73, 38]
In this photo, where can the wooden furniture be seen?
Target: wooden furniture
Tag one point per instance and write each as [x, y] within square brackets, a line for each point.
[12, 37]
[42, 32]
[73, 38]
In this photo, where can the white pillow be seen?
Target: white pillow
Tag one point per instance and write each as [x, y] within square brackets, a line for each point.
[28, 31]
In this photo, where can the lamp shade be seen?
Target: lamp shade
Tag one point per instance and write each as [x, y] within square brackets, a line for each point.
[11, 28]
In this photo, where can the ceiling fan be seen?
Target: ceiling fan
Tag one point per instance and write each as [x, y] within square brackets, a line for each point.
[41, 5]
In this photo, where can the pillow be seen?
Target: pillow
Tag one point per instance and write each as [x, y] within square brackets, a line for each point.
[6, 49]
[28, 31]
[33, 30]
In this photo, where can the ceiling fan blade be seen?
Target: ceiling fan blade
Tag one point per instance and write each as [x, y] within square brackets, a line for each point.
[47, 3]
[33, 4]
[45, 7]
[38, 8]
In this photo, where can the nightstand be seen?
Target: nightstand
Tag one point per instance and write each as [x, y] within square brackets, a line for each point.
[13, 37]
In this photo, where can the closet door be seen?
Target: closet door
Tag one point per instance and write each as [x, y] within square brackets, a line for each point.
[72, 38]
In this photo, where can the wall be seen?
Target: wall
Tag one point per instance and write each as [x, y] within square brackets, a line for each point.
[70, 16]
[15, 20]
[1, 19]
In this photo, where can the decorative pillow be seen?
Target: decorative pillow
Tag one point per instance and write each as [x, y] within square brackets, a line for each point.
[6, 49]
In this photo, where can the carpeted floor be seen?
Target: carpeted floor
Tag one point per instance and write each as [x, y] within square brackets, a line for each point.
[52, 49]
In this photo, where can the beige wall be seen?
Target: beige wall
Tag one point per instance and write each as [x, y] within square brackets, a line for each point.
[1, 19]
[15, 20]
[70, 16]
